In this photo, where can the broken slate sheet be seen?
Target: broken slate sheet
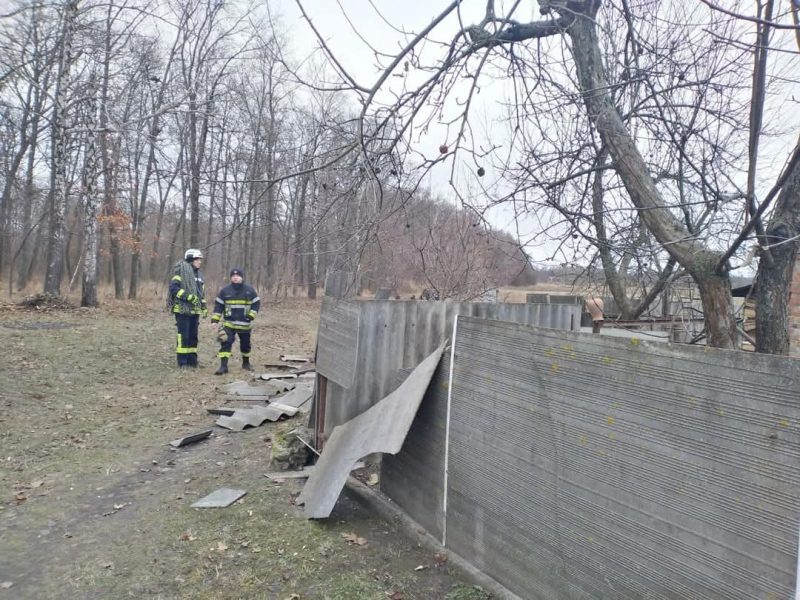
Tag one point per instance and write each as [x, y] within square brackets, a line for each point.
[220, 498]
[282, 375]
[263, 390]
[381, 428]
[295, 358]
[302, 473]
[190, 439]
[299, 397]
[255, 416]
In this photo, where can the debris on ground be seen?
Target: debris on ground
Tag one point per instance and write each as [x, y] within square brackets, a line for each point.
[255, 392]
[301, 474]
[354, 539]
[299, 397]
[289, 450]
[298, 358]
[220, 498]
[190, 439]
[255, 416]
[282, 375]
[224, 411]
[272, 364]
[46, 302]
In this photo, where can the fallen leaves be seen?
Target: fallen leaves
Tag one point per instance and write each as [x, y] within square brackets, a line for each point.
[353, 539]
[6, 585]
[187, 536]
[221, 546]
[396, 595]
[440, 558]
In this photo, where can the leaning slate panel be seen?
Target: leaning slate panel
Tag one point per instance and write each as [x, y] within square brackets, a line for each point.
[414, 477]
[583, 466]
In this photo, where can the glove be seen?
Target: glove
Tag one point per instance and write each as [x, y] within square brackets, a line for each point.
[251, 315]
[192, 299]
[215, 318]
[204, 312]
[222, 335]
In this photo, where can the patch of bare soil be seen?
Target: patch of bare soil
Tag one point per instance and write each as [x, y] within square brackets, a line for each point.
[95, 504]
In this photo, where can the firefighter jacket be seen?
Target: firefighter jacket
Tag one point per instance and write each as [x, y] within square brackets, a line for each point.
[236, 306]
[187, 291]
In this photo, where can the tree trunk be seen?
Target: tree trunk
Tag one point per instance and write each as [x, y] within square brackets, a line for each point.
[58, 196]
[90, 202]
[691, 254]
[774, 281]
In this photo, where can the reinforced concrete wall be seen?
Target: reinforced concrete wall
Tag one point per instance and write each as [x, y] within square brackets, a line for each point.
[581, 466]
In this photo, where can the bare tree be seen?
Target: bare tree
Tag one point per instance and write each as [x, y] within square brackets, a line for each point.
[59, 134]
[653, 119]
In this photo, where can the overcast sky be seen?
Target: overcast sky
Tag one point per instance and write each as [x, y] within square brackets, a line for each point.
[350, 41]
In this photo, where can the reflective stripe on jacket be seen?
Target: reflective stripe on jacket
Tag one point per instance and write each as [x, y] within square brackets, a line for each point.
[178, 293]
[237, 306]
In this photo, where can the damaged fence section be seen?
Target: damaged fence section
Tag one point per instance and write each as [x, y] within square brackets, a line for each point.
[568, 466]
[363, 346]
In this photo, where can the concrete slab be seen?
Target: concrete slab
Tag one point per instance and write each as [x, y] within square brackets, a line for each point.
[220, 498]
[381, 428]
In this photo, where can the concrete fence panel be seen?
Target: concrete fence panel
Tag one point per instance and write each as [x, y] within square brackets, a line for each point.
[581, 466]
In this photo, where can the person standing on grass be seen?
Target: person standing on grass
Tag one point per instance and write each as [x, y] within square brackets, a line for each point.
[188, 303]
[236, 306]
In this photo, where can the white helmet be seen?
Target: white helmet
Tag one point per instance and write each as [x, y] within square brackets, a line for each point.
[193, 253]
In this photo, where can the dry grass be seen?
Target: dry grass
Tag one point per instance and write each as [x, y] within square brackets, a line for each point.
[92, 492]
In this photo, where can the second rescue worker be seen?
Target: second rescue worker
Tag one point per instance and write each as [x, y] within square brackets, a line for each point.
[236, 305]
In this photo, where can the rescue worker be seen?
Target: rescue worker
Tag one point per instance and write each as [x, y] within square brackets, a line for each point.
[187, 297]
[236, 306]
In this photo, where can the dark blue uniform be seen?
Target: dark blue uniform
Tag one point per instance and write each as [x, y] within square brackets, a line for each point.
[236, 306]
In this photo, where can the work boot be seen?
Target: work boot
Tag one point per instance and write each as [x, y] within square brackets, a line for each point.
[223, 367]
[246, 366]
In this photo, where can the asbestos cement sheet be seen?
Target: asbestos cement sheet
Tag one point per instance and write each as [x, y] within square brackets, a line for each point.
[381, 428]
[254, 417]
[219, 499]
[299, 397]
[337, 341]
[244, 389]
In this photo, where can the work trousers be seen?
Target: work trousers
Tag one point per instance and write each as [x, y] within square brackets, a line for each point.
[186, 350]
[244, 343]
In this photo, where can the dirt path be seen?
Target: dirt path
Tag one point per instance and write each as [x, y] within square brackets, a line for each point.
[96, 505]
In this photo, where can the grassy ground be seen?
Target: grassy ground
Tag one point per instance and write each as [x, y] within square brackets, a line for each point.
[95, 504]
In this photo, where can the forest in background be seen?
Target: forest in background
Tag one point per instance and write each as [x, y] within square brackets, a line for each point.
[132, 130]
